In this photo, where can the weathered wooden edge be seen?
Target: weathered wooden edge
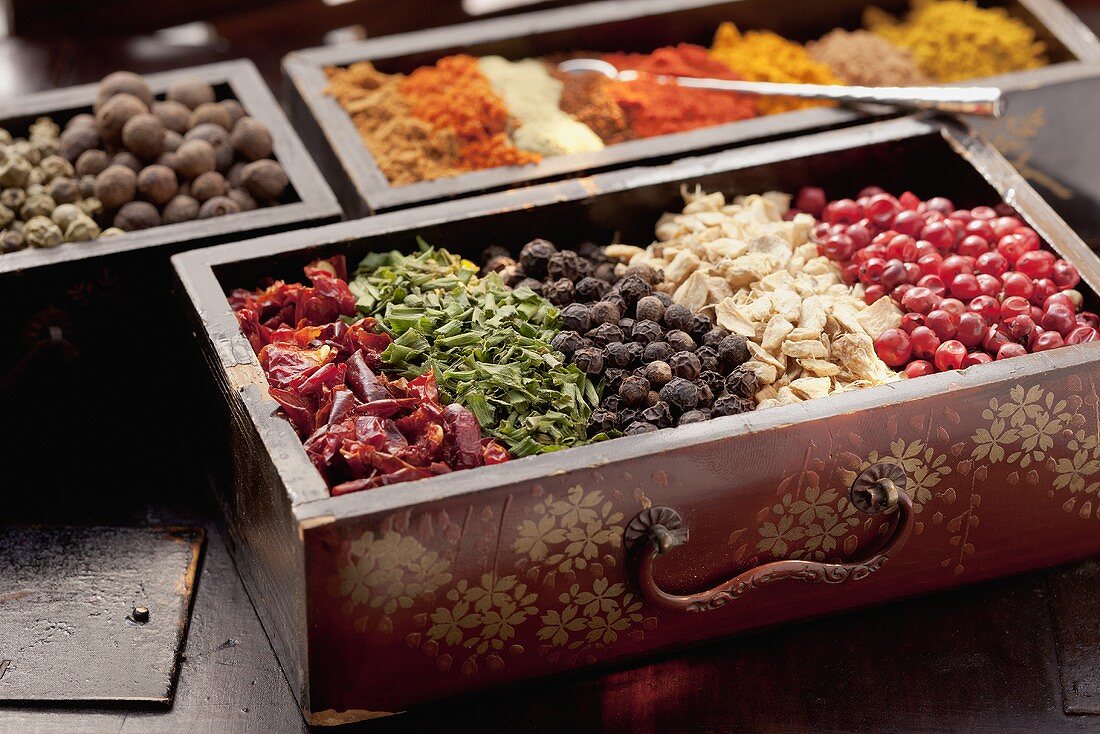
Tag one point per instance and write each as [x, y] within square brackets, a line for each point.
[364, 190]
[313, 501]
[316, 205]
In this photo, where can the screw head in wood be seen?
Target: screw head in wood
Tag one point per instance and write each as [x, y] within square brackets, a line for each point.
[140, 614]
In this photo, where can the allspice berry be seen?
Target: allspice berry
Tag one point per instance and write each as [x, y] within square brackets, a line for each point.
[172, 141]
[169, 159]
[251, 139]
[92, 162]
[115, 186]
[128, 159]
[157, 184]
[235, 110]
[181, 209]
[137, 215]
[143, 135]
[218, 137]
[209, 185]
[115, 113]
[211, 113]
[195, 158]
[218, 206]
[243, 198]
[64, 190]
[173, 115]
[234, 175]
[190, 92]
[82, 120]
[76, 141]
[124, 82]
[265, 180]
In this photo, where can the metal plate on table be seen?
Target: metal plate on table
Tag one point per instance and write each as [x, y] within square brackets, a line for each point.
[94, 614]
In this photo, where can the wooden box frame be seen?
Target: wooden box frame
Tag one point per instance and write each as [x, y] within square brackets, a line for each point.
[383, 599]
[630, 25]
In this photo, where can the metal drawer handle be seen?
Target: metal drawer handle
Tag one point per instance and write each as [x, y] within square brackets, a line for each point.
[657, 530]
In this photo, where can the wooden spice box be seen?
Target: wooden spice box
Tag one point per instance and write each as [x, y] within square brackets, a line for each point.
[643, 25]
[379, 600]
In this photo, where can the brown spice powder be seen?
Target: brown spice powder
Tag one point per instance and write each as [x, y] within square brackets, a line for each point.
[406, 148]
[865, 59]
[587, 97]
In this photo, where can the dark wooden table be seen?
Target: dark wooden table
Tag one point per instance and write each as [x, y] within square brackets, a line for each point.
[1022, 654]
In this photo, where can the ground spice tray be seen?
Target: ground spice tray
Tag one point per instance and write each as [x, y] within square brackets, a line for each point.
[378, 600]
[643, 25]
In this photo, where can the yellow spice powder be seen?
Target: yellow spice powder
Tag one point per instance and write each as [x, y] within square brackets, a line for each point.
[764, 56]
[952, 40]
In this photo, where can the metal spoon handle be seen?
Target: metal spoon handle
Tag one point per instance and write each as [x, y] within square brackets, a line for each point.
[986, 101]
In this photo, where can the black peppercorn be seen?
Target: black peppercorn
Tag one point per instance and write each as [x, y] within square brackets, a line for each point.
[635, 350]
[714, 380]
[219, 206]
[497, 264]
[659, 414]
[566, 264]
[708, 359]
[714, 337]
[706, 395]
[692, 416]
[605, 334]
[535, 257]
[601, 421]
[657, 352]
[613, 376]
[700, 325]
[64, 190]
[576, 317]
[685, 364]
[680, 341]
[617, 354]
[733, 405]
[633, 390]
[639, 427]
[664, 298]
[612, 403]
[588, 249]
[678, 317]
[566, 342]
[681, 394]
[264, 179]
[558, 292]
[536, 285]
[605, 312]
[589, 360]
[733, 351]
[590, 289]
[627, 416]
[605, 272]
[633, 289]
[251, 139]
[658, 373]
[616, 298]
[489, 253]
[743, 382]
[646, 331]
[649, 308]
[645, 272]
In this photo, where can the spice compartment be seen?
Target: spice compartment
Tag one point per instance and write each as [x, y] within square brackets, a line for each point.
[539, 539]
[639, 25]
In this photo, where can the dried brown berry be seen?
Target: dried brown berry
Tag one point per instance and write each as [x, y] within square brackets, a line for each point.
[190, 92]
[700, 326]
[235, 175]
[589, 360]
[137, 215]
[715, 380]
[243, 198]
[733, 351]
[173, 115]
[681, 394]
[218, 137]
[115, 186]
[692, 416]
[172, 141]
[82, 120]
[168, 160]
[678, 317]
[605, 334]
[123, 82]
[708, 359]
[115, 113]
[535, 257]
[143, 135]
[636, 428]
[633, 289]
[251, 139]
[181, 209]
[567, 342]
[714, 337]
[633, 390]
[265, 180]
[650, 308]
[590, 289]
[210, 113]
[646, 332]
[195, 157]
[602, 420]
[64, 190]
[235, 110]
[217, 207]
[686, 365]
[558, 292]
[617, 354]
[658, 373]
[680, 341]
[576, 317]
[605, 312]
[733, 405]
[92, 162]
[605, 272]
[566, 264]
[76, 141]
[157, 184]
[12, 241]
[659, 414]
[209, 185]
[742, 381]
[657, 352]
[127, 159]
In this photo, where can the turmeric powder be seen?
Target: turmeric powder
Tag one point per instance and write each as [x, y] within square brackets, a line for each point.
[952, 40]
[763, 56]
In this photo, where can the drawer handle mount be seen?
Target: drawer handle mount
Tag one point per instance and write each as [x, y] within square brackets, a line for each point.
[657, 530]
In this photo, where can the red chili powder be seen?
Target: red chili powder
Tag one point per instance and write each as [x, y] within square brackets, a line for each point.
[658, 109]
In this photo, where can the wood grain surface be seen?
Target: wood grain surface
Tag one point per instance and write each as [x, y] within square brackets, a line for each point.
[1013, 655]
